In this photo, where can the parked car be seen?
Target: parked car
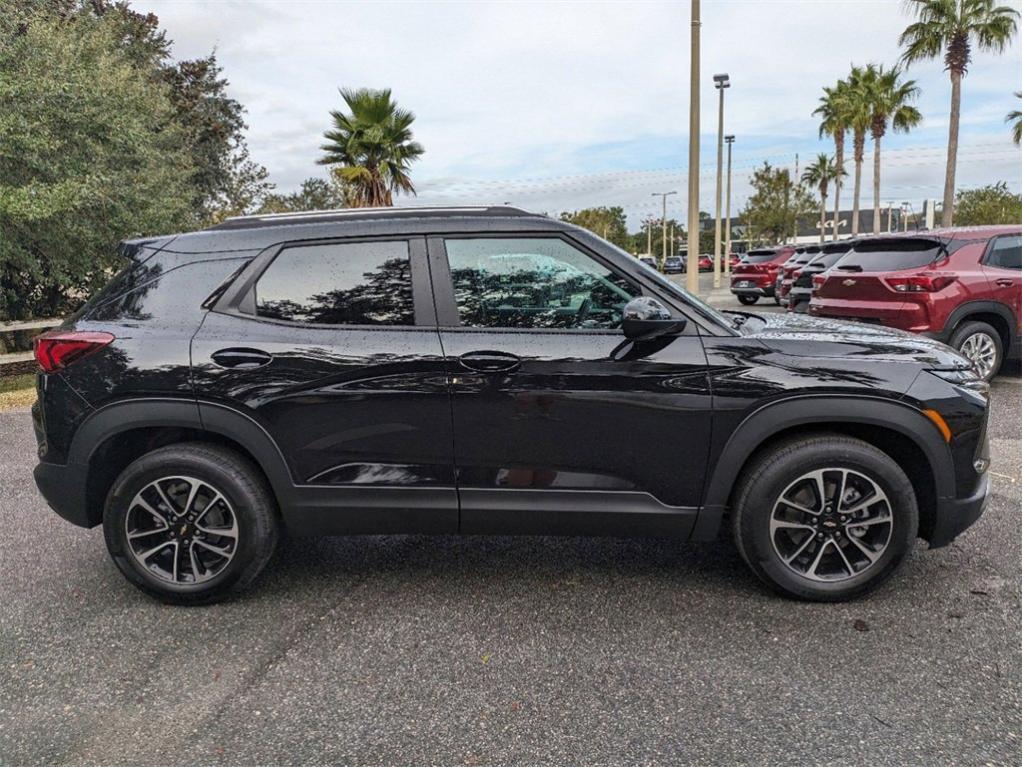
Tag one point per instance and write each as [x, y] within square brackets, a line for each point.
[787, 272]
[674, 265]
[961, 286]
[801, 291]
[756, 276]
[408, 370]
[648, 261]
[705, 262]
[735, 259]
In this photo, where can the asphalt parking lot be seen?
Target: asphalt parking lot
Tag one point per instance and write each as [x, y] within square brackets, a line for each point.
[500, 651]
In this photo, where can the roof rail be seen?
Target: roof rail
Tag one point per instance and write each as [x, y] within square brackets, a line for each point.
[316, 216]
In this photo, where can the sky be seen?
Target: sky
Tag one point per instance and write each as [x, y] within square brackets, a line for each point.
[556, 106]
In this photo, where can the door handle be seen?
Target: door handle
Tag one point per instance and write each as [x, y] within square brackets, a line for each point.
[241, 359]
[489, 362]
[1004, 282]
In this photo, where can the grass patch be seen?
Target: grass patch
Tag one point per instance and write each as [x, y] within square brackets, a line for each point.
[17, 391]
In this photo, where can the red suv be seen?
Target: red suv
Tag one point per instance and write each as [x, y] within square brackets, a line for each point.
[960, 286]
[756, 275]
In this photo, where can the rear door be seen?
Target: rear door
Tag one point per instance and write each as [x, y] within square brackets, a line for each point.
[1002, 265]
[332, 347]
[559, 425]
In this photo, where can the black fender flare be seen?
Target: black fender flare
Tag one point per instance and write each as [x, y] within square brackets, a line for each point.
[981, 307]
[125, 415]
[778, 416]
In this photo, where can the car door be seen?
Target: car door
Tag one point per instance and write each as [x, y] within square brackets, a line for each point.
[1002, 266]
[332, 347]
[561, 426]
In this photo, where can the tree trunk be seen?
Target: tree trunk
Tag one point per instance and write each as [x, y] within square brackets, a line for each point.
[876, 184]
[947, 213]
[839, 157]
[857, 189]
[823, 216]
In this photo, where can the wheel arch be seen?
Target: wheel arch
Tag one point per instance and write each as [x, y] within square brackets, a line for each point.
[896, 428]
[999, 316]
[118, 433]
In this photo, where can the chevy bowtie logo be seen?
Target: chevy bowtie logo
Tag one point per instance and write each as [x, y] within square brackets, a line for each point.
[848, 283]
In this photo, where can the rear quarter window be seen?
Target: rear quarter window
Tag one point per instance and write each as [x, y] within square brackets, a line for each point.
[891, 255]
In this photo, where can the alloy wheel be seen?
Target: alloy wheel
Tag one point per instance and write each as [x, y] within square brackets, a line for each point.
[181, 530]
[981, 350]
[831, 524]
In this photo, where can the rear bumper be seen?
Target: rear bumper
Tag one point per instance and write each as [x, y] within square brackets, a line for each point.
[63, 488]
[888, 313]
[744, 286]
[956, 515]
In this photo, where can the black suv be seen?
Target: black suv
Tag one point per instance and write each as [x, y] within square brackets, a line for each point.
[485, 370]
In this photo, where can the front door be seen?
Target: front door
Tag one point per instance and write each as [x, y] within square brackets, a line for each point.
[1002, 266]
[559, 428]
[332, 347]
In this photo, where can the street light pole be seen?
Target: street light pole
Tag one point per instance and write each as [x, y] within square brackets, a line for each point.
[663, 223]
[727, 213]
[720, 82]
[692, 263]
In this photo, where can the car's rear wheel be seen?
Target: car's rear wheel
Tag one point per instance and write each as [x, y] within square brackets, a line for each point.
[190, 523]
[824, 518]
[748, 300]
[981, 345]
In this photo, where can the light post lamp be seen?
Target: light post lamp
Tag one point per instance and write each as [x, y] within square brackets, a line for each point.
[727, 213]
[720, 82]
[692, 262]
[663, 223]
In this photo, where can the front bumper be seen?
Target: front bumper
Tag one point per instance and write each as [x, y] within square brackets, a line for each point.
[63, 487]
[956, 515]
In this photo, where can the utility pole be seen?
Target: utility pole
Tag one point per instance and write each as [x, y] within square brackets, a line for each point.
[796, 182]
[692, 262]
[720, 82]
[663, 223]
[649, 236]
[727, 213]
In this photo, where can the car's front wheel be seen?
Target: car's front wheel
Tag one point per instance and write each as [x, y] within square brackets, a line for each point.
[824, 518]
[747, 300]
[190, 523]
[981, 345]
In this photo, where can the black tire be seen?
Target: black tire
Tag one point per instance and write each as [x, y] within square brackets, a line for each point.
[747, 300]
[802, 307]
[232, 475]
[969, 329]
[773, 471]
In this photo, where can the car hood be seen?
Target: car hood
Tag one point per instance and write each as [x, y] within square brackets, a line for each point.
[800, 335]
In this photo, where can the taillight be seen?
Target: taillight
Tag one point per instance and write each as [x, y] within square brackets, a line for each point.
[58, 349]
[920, 283]
[796, 274]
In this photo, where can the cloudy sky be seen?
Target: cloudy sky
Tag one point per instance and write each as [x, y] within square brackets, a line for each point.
[560, 105]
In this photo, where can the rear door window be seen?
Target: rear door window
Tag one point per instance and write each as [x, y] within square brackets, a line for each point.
[891, 255]
[354, 283]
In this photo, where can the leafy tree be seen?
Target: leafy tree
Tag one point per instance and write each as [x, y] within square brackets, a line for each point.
[1015, 118]
[775, 205]
[820, 174]
[608, 223]
[992, 204]
[888, 97]
[90, 153]
[952, 27]
[372, 146]
[859, 114]
[836, 115]
[314, 194]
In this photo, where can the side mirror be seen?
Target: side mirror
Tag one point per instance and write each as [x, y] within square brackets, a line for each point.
[644, 318]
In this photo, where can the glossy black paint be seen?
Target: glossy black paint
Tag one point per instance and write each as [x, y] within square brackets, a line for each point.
[436, 427]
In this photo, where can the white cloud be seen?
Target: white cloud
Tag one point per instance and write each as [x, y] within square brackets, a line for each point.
[512, 90]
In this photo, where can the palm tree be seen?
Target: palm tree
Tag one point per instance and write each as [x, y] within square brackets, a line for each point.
[952, 27]
[835, 113]
[888, 99]
[819, 175]
[1015, 117]
[372, 146]
[857, 103]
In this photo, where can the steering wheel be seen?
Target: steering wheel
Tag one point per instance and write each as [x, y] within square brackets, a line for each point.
[582, 313]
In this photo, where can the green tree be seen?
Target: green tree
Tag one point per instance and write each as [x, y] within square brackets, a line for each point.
[608, 223]
[836, 115]
[992, 204]
[820, 175]
[372, 147]
[90, 153]
[951, 28]
[889, 100]
[314, 194]
[1015, 118]
[859, 113]
[775, 205]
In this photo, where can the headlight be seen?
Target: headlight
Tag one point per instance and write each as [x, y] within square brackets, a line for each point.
[965, 378]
